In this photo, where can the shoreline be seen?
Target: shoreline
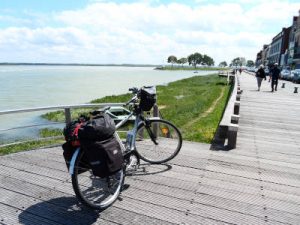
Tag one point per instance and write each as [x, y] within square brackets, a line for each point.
[77, 64]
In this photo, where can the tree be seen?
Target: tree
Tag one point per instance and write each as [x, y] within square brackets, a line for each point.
[239, 61]
[223, 64]
[182, 61]
[195, 59]
[235, 62]
[250, 63]
[207, 61]
[172, 59]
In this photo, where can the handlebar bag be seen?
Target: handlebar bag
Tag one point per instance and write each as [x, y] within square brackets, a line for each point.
[105, 157]
[100, 128]
[148, 98]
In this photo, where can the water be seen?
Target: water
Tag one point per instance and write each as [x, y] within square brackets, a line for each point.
[37, 86]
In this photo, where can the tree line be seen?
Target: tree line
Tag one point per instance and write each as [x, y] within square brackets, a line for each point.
[193, 59]
[199, 59]
[238, 61]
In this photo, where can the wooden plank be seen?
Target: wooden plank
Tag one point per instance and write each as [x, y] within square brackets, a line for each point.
[44, 210]
[213, 201]
[43, 199]
[35, 168]
[12, 216]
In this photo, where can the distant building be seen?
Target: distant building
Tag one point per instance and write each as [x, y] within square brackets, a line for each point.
[265, 55]
[258, 60]
[292, 42]
[279, 48]
[284, 48]
[274, 54]
[296, 57]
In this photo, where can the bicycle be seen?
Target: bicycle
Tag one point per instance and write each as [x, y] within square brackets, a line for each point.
[153, 140]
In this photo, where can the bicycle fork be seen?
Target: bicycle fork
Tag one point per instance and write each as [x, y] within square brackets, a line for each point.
[152, 134]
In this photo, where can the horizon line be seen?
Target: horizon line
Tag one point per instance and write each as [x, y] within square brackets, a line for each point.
[78, 64]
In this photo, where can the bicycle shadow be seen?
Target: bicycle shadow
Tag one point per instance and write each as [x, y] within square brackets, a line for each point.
[64, 210]
[146, 169]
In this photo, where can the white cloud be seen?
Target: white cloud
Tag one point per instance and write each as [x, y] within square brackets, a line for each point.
[105, 32]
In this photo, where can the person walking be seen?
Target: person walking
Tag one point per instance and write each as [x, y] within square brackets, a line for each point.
[260, 75]
[274, 76]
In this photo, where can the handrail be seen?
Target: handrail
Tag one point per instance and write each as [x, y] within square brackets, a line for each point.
[58, 107]
[66, 108]
[67, 112]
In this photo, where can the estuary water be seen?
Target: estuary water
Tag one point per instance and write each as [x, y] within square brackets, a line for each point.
[38, 86]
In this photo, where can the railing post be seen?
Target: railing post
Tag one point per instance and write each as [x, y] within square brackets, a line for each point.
[235, 119]
[236, 109]
[155, 111]
[67, 115]
[232, 135]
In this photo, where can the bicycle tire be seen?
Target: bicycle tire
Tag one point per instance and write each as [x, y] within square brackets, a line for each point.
[94, 191]
[167, 136]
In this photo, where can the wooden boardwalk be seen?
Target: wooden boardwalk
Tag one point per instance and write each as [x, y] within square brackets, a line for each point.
[257, 183]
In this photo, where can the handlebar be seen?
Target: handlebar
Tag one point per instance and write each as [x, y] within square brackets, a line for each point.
[134, 91]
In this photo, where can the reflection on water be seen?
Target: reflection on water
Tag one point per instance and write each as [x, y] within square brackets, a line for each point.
[37, 86]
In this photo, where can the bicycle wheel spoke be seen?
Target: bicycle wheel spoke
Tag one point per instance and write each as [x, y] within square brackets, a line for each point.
[95, 191]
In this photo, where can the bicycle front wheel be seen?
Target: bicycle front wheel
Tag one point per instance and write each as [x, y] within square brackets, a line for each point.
[94, 191]
[158, 141]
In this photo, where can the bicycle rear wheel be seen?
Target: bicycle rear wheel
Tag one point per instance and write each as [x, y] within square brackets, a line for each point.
[94, 191]
[158, 141]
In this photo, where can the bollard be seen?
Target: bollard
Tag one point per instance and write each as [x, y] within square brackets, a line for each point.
[283, 85]
[232, 135]
[296, 90]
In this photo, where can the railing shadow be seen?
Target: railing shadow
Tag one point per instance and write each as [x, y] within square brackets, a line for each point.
[64, 210]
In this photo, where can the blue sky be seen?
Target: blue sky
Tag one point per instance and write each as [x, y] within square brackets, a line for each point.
[148, 31]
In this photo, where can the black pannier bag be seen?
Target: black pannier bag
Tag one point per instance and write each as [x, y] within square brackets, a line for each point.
[148, 98]
[72, 142]
[69, 150]
[99, 128]
[105, 157]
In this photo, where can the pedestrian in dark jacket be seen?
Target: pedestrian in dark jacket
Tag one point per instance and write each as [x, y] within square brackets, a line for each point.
[274, 76]
[260, 75]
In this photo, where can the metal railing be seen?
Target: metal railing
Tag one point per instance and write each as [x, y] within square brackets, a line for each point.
[67, 114]
[67, 109]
